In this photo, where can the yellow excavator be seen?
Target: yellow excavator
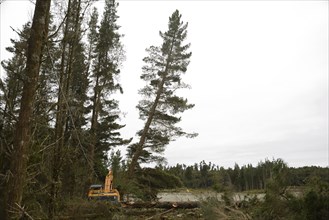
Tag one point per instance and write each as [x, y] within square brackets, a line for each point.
[107, 193]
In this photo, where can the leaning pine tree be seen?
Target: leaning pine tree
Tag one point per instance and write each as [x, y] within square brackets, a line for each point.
[160, 107]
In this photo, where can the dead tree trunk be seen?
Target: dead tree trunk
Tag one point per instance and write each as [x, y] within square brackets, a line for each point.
[19, 158]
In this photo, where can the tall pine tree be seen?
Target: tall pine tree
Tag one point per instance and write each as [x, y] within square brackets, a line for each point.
[70, 113]
[107, 57]
[19, 157]
[10, 96]
[160, 107]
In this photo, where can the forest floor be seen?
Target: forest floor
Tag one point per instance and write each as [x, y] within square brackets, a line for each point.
[178, 204]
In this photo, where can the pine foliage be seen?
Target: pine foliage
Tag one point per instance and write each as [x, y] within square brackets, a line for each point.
[161, 106]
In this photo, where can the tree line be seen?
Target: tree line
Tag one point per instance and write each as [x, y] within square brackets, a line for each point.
[210, 176]
[242, 178]
[59, 111]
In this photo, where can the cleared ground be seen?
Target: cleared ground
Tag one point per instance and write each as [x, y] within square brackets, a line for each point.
[201, 196]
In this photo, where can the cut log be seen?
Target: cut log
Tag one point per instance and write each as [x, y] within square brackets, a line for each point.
[164, 205]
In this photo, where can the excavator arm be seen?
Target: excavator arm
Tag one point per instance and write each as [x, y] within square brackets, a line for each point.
[109, 182]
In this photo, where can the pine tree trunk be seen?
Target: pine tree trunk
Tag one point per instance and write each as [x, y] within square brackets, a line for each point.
[93, 131]
[142, 140]
[19, 158]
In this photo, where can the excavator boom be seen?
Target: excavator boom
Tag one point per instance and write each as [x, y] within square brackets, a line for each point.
[108, 182]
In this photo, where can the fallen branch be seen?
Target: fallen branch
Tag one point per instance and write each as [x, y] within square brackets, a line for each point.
[160, 214]
[24, 213]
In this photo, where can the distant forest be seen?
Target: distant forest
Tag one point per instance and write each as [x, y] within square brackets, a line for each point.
[240, 178]
[244, 178]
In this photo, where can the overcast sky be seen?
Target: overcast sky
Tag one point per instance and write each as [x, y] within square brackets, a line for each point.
[259, 76]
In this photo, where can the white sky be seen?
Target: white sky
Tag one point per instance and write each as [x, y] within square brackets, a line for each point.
[259, 76]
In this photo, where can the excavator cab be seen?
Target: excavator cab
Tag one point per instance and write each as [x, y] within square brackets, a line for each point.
[95, 190]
